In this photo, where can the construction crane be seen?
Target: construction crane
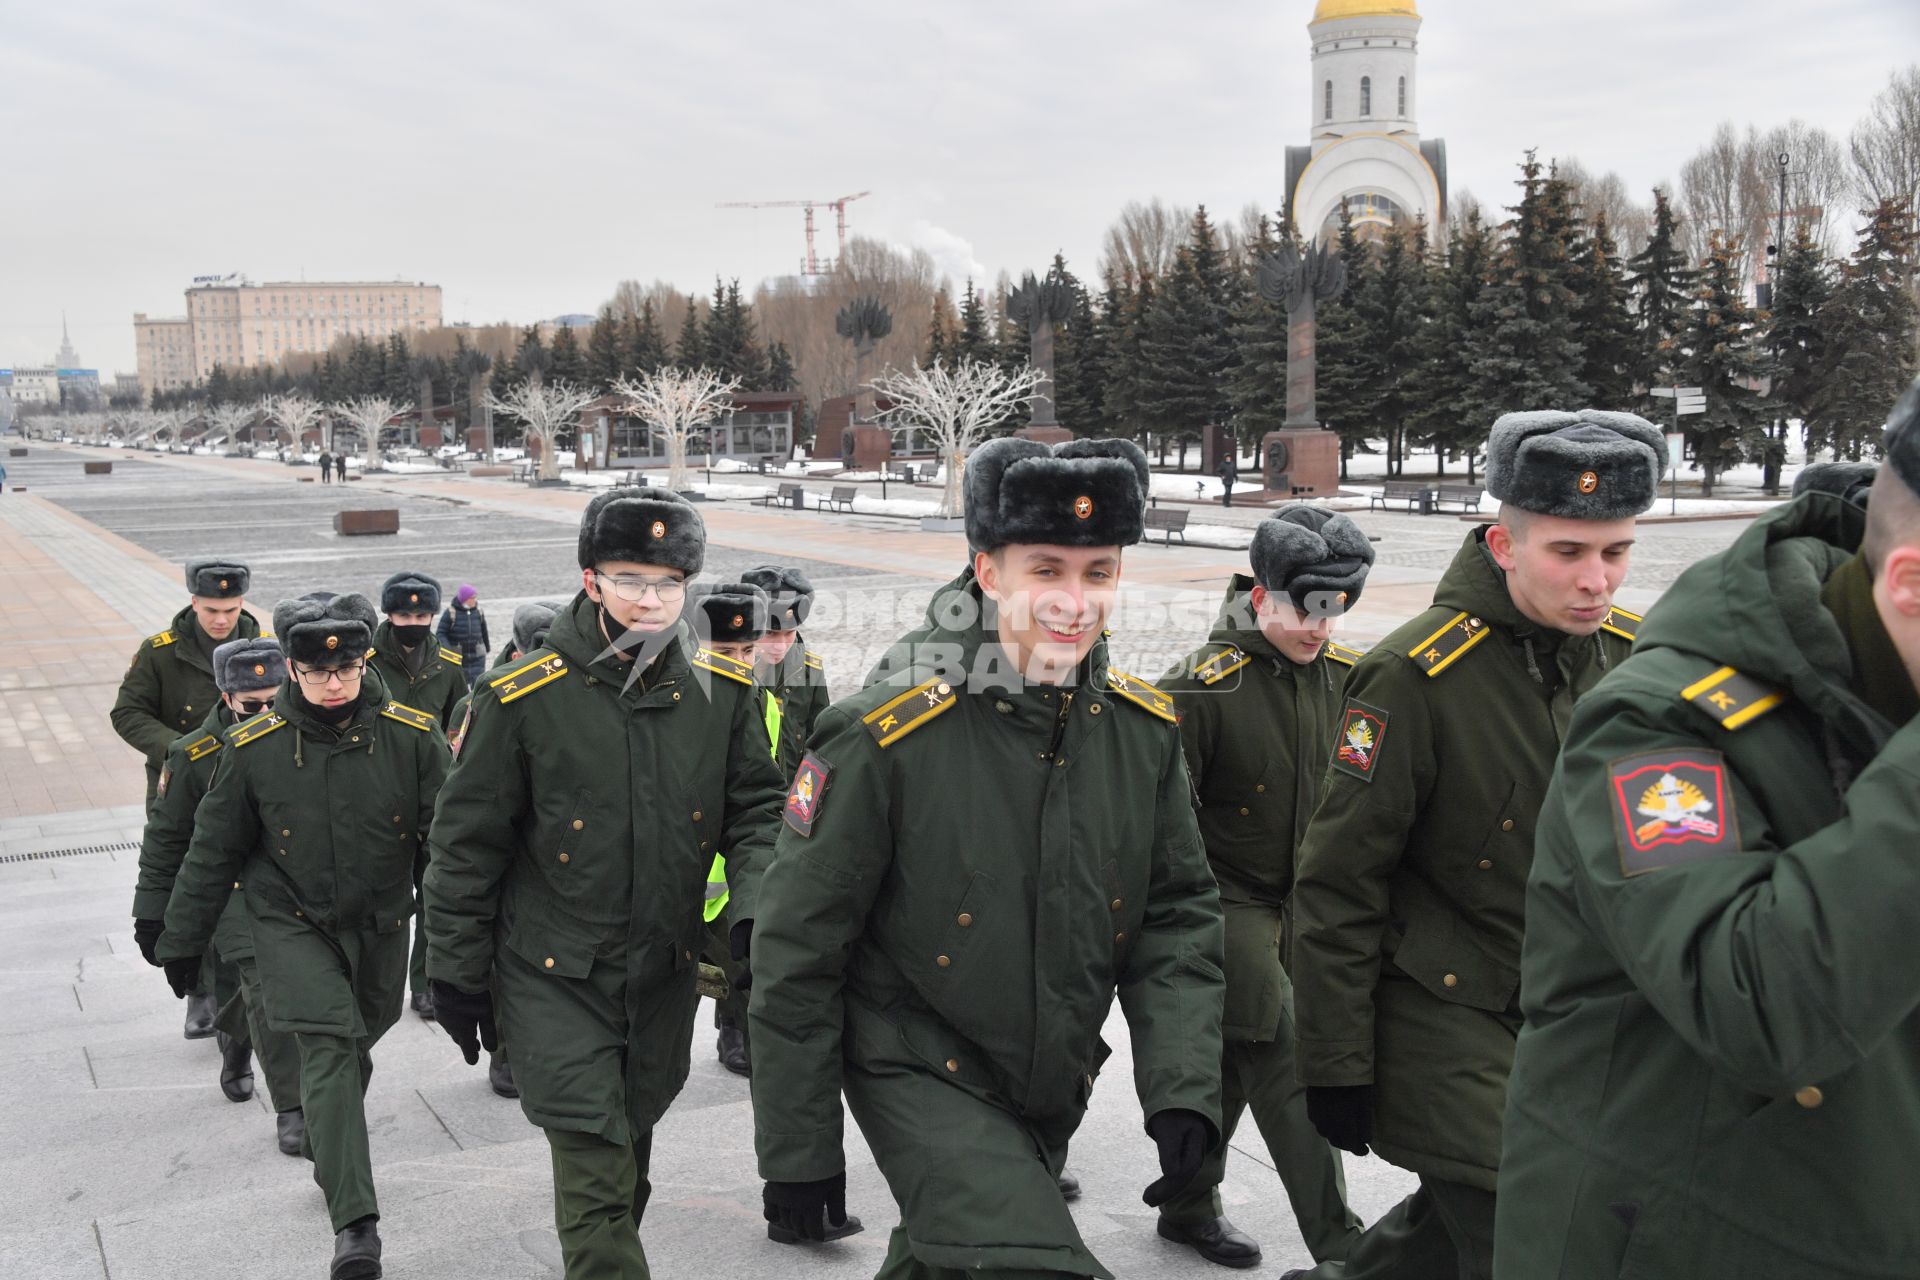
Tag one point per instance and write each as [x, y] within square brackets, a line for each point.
[839, 207]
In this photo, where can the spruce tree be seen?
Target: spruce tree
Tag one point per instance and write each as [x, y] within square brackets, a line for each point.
[1453, 414]
[1867, 329]
[396, 364]
[780, 371]
[1662, 284]
[605, 348]
[1185, 343]
[569, 361]
[1075, 389]
[1123, 396]
[1391, 311]
[1723, 357]
[973, 342]
[690, 352]
[1343, 393]
[645, 348]
[1257, 388]
[937, 340]
[1603, 318]
[1802, 283]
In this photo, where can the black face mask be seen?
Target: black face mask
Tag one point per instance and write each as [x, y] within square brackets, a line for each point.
[338, 715]
[413, 633]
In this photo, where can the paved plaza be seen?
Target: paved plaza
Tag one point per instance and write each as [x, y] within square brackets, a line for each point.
[119, 1157]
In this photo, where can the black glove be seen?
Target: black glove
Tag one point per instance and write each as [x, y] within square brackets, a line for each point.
[146, 933]
[740, 947]
[182, 975]
[1343, 1113]
[805, 1208]
[467, 1017]
[1183, 1138]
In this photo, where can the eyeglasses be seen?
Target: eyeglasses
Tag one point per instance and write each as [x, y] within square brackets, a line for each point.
[320, 676]
[633, 588]
[251, 708]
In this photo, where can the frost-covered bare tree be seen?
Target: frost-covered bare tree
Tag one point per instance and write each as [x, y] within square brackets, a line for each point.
[300, 414]
[225, 420]
[958, 406]
[369, 414]
[674, 403]
[545, 408]
[1886, 145]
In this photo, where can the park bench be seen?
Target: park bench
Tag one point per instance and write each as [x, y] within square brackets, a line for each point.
[1467, 495]
[787, 495]
[96, 468]
[1410, 492]
[841, 499]
[1169, 520]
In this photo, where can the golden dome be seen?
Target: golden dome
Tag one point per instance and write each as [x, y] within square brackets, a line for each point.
[1333, 10]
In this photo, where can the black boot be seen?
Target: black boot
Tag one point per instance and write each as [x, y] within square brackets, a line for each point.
[732, 1047]
[1216, 1241]
[422, 1004]
[236, 1068]
[291, 1127]
[200, 1014]
[1069, 1186]
[500, 1076]
[356, 1252]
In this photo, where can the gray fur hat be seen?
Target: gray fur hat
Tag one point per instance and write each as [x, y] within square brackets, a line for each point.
[1317, 558]
[323, 630]
[245, 666]
[661, 528]
[532, 621]
[1590, 465]
[730, 612]
[788, 590]
[409, 591]
[1081, 493]
[1849, 480]
[1901, 446]
[217, 579]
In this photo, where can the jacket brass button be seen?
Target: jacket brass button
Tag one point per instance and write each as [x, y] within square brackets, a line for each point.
[1061, 763]
[1486, 864]
[944, 689]
[1450, 981]
[578, 823]
[283, 853]
[696, 815]
[965, 920]
[1093, 709]
[1507, 825]
[356, 737]
[944, 962]
[676, 695]
[396, 817]
[1120, 937]
[549, 962]
[566, 857]
[1243, 811]
[953, 1064]
[1115, 904]
[301, 914]
[1260, 787]
[1809, 1097]
[285, 832]
[687, 954]
[236, 884]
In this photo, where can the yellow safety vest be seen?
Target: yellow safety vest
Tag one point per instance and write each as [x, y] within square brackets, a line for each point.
[717, 874]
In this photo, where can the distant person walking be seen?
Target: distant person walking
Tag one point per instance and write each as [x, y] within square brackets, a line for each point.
[463, 627]
[1229, 474]
[326, 468]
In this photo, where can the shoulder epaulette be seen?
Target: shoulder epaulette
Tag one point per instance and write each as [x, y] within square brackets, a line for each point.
[370, 652]
[412, 717]
[1342, 654]
[253, 730]
[450, 656]
[815, 661]
[721, 665]
[1732, 699]
[1221, 665]
[1622, 623]
[524, 679]
[162, 640]
[1443, 648]
[1142, 695]
[203, 748]
[897, 717]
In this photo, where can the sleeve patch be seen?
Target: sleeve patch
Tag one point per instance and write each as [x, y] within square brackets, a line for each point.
[1363, 731]
[460, 734]
[166, 776]
[807, 793]
[1671, 808]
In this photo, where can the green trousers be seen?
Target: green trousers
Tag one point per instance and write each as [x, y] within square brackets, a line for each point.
[600, 1193]
[243, 1015]
[1443, 1230]
[1260, 1076]
[900, 1264]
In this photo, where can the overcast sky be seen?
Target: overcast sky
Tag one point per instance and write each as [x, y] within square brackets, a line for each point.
[526, 157]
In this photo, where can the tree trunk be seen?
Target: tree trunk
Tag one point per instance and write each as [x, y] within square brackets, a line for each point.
[676, 458]
[426, 410]
[549, 455]
[950, 500]
[477, 407]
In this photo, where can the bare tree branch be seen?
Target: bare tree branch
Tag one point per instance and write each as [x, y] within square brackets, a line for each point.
[674, 403]
[545, 408]
[369, 413]
[958, 406]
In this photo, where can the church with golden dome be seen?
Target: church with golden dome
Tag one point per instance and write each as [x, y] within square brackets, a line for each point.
[1366, 152]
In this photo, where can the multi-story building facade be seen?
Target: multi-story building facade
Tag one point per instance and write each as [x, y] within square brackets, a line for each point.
[163, 353]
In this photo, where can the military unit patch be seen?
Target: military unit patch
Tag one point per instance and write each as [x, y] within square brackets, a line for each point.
[166, 776]
[1343, 655]
[1142, 695]
[524, 680]
[1443, 648]
[1363, 731]
[460, 734]
[807, 794]
[1670, 808]
[897, 717]
[412, 717]
[1621, 623]
[1732, 699]
[721, 665]
[1221, 665]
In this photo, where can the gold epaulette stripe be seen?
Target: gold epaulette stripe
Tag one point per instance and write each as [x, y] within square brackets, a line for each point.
[1731, 698]
[253, 730]
[1342, 654]
[1622, 623]
[203, 748]
[815, 661]
[450, 656]
[1221, 665]
[1141, 694]
[1443, 648]
[162, 640]
[525, 679]
[721, 665]
[412, 717]
[896, 718]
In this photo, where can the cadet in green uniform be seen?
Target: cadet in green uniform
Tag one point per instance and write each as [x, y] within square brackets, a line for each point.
[731, 619]
[950, 963]
[317, 808]
[248, 674]
[596, 781]
[1258, 704]
[1408, 893]
[167, 691]
[419, 673]
[1718, 1072]
[793, 675]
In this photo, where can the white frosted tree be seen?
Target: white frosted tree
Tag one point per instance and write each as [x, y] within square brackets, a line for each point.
[958, 406]
[545, 408]
[224, 422]
[674, 403]
[300, 414]
[369, 414]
